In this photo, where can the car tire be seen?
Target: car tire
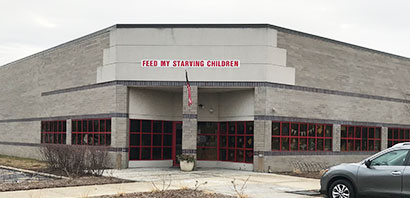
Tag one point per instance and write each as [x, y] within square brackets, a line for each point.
[341, 189]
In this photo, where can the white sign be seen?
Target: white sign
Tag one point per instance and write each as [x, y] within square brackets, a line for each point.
[191, 63]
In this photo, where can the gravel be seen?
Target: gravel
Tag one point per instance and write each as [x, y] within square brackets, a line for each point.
[54, 183]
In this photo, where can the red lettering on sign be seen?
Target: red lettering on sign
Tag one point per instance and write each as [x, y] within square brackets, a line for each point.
[164, 63]
[191, 63]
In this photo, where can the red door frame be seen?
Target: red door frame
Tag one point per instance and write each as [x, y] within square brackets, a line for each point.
[174, 141]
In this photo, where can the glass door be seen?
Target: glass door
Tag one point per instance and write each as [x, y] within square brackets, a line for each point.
[177, 142]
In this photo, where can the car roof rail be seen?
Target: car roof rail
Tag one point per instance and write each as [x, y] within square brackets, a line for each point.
[401, 144]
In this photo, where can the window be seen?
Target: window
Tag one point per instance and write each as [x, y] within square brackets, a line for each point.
[225, 141]
[236, 141]
[91, 132]
[150, 140]
[53, 132]
[292, 136]
[396, 135]
[393, 158]
[360, 138]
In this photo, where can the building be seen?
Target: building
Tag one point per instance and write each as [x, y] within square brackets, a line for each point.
[264, 98]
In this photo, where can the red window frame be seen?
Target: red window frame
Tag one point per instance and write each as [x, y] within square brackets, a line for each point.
[236, 149]
[233, 152]
[53, 132]
[140, 133]
[351, 138]
[97, 132]
[397, 135]
[317, 133]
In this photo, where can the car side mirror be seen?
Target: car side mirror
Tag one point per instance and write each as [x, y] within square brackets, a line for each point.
[368, 163]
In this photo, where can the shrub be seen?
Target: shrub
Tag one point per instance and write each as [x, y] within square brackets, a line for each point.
[97, 160]
[186, 157]
[75, 160]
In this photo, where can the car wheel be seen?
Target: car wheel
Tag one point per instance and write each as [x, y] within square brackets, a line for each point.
[341, 189]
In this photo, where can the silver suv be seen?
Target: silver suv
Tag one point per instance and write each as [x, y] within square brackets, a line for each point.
[385, 174]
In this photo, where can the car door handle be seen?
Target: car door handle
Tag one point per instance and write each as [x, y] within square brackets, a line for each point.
[396, 173]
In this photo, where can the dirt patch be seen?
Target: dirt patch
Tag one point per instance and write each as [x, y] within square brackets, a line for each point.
[314, 175]
[183, 193]
[54, 183]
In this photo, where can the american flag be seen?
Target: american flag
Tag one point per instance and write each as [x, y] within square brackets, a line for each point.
[189, 89]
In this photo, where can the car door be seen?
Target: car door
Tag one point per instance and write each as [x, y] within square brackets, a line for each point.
[384, 176]
[406, 181]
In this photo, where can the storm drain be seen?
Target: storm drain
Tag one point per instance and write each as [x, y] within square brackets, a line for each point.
[312, 193]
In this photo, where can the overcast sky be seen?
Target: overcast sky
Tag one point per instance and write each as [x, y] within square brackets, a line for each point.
[30, 26]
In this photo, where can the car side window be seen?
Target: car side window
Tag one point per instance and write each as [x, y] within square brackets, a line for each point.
[393, 158]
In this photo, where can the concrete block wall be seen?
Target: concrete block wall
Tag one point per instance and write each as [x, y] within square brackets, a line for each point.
[119, 139]
[209, 106]
[231, 105]
[155, 104]
[22, 105]
[260, 59]
[69, 131]
[325, 64]
[67, 66]
[336, 134]
[307, 163]
[26, 151]
[384, 136]
[100, 100]
[302, 104]
[317, 108]
[120, 129]
[26, 134]
[262, 129]
[190, 122]
[236, 105]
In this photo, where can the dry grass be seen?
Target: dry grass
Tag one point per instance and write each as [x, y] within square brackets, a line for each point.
[182, 193]
[35, 165]
[22, 163]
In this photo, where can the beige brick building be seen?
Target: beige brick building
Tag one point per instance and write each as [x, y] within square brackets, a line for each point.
[264, 98]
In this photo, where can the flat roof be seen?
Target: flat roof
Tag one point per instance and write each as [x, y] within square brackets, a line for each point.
[262, 25]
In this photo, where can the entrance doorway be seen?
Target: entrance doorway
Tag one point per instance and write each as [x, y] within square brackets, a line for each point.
[177, 142]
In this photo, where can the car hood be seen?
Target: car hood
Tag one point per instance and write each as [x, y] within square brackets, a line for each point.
[344, 165]
[345, 168]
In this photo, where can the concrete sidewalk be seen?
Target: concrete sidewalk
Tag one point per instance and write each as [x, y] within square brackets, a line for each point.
[259, 185]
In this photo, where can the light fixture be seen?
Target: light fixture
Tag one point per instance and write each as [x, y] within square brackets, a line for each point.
[211, 110]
